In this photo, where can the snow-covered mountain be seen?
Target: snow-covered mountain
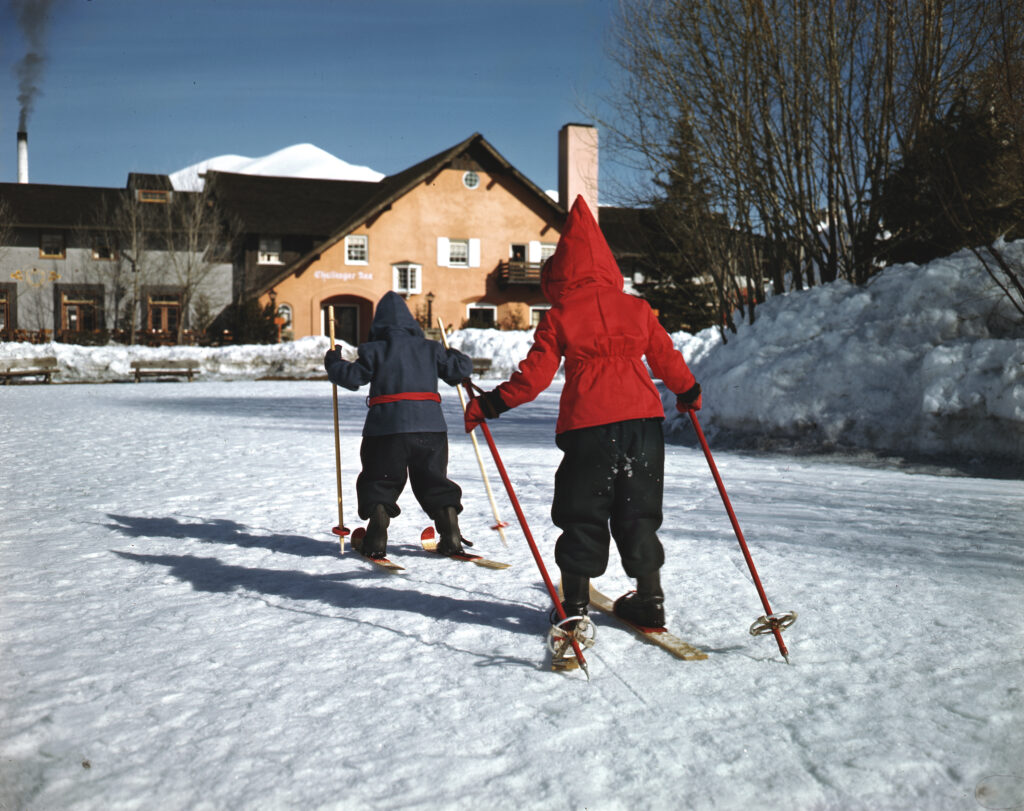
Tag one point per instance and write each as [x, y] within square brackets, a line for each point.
[300, 160]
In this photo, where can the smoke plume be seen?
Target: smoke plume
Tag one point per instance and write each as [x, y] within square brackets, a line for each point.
[33, 17]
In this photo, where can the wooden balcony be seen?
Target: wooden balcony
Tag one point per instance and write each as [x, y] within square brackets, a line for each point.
[513, 273]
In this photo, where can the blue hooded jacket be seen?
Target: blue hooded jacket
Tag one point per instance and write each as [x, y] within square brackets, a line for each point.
[399, 359]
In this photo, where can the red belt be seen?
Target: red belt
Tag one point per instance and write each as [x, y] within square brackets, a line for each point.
[408, 395]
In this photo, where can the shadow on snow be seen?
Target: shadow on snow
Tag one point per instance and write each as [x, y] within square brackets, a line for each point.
[343, 590]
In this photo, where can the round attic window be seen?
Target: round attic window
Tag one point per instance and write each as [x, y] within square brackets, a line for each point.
[471, 180]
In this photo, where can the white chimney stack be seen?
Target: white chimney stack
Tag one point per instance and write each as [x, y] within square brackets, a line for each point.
[22, 156]
[577, 165]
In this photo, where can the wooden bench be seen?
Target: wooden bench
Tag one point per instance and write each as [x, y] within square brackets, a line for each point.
[481, 365]
[164, 368]
[44, 367]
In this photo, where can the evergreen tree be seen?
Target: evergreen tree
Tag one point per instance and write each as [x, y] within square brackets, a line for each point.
[679, 253]
[956, 187]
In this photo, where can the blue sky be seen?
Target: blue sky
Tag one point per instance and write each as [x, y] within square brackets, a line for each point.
[158, 85]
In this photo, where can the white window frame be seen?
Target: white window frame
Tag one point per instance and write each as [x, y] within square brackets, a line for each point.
[539, 310]
[408, 268]
[455, 256]
[471, 179]
[269, 252]
[444, 253]
[356, 244]
[483, 305]
[547, 250]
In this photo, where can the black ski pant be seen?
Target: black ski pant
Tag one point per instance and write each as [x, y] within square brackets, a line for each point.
[421, 458]
[611, 477]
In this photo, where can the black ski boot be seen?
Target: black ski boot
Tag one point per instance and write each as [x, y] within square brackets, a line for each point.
[646, 605]
[447, 523]
[575, 596]
[375, 541]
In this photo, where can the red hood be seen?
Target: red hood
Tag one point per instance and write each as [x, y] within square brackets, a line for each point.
[581, 259]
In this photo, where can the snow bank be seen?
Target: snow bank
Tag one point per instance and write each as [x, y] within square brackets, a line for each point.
[922, 360]
[302, 359]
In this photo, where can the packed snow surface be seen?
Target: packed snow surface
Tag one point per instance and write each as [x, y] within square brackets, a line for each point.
[179, 628]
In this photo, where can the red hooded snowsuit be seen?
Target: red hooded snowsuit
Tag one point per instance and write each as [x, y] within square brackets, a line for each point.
[609, 419]
[602, 332]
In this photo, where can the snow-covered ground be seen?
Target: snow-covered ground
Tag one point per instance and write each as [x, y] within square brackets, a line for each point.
[178, 629]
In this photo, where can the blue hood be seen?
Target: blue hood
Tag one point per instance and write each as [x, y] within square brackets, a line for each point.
[393, 314]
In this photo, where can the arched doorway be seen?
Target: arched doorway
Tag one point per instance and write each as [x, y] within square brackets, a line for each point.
[352, 315]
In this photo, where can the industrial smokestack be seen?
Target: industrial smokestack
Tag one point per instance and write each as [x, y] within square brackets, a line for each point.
[22, 156]
[33, 18]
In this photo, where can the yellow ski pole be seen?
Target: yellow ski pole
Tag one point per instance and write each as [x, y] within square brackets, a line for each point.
[499, 524]
[341, 530]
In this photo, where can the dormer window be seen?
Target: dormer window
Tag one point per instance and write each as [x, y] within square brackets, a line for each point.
[153, 195]
[269, 251]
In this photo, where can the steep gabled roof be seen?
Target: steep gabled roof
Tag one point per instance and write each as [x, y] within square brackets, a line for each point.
[633, 231]
[280, 206]
[393, 187]
[40, 205]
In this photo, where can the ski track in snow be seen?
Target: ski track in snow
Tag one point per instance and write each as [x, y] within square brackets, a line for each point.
[178, 630]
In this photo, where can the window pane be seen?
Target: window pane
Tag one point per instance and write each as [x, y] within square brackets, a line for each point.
[458, 252]
[481, 315]
[356, 248]
[51, 245]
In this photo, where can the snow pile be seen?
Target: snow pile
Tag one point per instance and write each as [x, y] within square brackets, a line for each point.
[302, 359]
[505, 349]
[300, 160]
[921, 360]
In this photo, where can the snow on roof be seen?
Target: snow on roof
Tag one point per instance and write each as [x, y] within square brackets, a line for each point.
[300, 160]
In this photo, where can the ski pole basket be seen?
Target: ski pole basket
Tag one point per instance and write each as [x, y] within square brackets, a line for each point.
[772, 622]
[563, 632]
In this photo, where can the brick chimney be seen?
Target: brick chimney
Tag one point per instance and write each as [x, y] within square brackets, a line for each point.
[22, 156]
[577, 165]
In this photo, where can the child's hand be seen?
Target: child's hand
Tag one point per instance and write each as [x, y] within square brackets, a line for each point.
[474, 414]
[333, 356]
[488, 406]
[689, 400]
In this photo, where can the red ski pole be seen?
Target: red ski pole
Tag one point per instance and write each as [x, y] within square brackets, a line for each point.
[770, 622]
[526, 531]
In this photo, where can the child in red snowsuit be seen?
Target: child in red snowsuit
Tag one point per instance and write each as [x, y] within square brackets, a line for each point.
[609, 421]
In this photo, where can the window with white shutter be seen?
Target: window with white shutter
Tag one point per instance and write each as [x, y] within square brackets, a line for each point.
[458, 253]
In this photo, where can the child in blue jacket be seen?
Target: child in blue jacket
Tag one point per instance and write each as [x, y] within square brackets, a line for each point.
[405, 436]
